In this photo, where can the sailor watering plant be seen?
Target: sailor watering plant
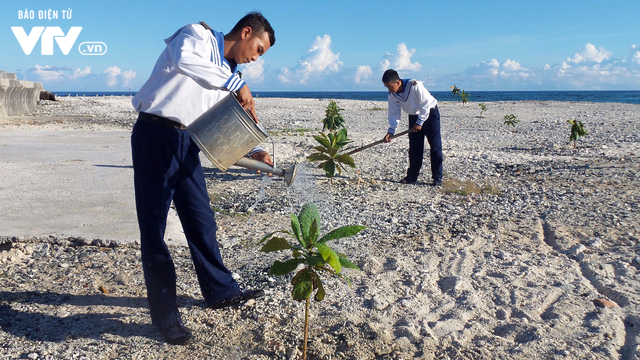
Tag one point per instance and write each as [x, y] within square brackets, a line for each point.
[196, 70]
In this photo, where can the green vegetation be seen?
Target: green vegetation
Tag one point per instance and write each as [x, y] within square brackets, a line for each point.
[483, 108]
[511, 120]
[464, 96]
[214, 197]
[311, 250]
[577, 130]
[454, 92]
[331, 144]
[333, 119]
[225, 212]
[289, 132]
[328, 152]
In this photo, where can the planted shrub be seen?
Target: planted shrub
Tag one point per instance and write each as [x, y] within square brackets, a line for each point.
[577, 130]
[333, 119]
[511, 120]
[483, 108]
[454, 91]
[312, 251]
[329, 153]
[464, 96]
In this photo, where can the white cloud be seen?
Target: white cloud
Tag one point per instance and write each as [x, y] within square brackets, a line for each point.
[285, 76]
[590, 68]
[634, 55]
[66, 77]
[363, 72]
[128, 76]
[511, 65]
[59, 73]
[114, 74]
[77, 73]
[401, 60]
[319, 60]
[494, 63]
[590, 54]
[47, 73]
[493, 73]
[253, 72]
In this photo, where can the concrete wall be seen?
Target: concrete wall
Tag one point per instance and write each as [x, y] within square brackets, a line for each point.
[17, 97]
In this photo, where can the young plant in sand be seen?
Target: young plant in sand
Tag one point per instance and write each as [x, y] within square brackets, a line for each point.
[311, 250]
[511, 120]
[483, 108]
[464, 96]
[333, 119]
[331, 144]
[328, 152]
[577, 130]
[454, 91]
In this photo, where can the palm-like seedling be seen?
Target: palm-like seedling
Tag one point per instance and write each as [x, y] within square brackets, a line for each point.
[511, 120]
[454, 91]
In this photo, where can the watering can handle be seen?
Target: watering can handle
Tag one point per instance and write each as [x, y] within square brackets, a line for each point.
[235, 96]
[378, 142]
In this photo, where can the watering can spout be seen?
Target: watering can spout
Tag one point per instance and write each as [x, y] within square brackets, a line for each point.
[288, 175]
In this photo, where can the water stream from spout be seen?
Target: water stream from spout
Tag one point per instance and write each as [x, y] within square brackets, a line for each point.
[264, 182]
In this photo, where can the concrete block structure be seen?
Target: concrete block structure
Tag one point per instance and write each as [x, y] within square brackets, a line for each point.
[17, 97]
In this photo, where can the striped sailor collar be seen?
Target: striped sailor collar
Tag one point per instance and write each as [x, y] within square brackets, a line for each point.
[229, 64]
[406, 89]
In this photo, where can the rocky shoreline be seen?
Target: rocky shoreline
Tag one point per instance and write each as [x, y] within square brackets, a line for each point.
[529, 250]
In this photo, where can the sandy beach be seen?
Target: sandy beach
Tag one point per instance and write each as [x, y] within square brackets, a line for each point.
[529, 250]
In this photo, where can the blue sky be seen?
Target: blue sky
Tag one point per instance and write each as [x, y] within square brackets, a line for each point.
[345, 45]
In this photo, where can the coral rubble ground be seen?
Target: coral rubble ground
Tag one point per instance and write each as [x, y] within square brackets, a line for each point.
[529, 250]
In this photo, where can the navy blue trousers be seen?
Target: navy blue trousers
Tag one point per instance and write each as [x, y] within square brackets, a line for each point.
[167, 168]
[430, 130]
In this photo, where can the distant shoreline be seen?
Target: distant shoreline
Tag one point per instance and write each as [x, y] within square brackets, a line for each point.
[606, 96]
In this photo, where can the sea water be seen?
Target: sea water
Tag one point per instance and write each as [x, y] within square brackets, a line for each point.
[611, 96]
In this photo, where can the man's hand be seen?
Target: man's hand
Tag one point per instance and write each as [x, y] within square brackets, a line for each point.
[387, 138]
[416, 128]
[247, 102]
[264, 157]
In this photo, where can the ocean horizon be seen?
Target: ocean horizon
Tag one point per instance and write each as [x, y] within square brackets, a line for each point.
[609, 96]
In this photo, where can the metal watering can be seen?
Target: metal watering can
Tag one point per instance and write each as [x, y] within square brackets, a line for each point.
[226, 132]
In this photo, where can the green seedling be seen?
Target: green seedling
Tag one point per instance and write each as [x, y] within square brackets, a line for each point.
[511, 120]
[483, 108]
[310, 250]
[333, 119]
[577, 130]
[464, 96]
[454, 91]
[328, 152]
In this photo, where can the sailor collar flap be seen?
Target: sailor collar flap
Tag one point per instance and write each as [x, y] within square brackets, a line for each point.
[407, 84]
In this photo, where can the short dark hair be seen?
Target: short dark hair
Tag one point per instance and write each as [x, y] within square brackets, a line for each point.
[390, 75]
[257, 23]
